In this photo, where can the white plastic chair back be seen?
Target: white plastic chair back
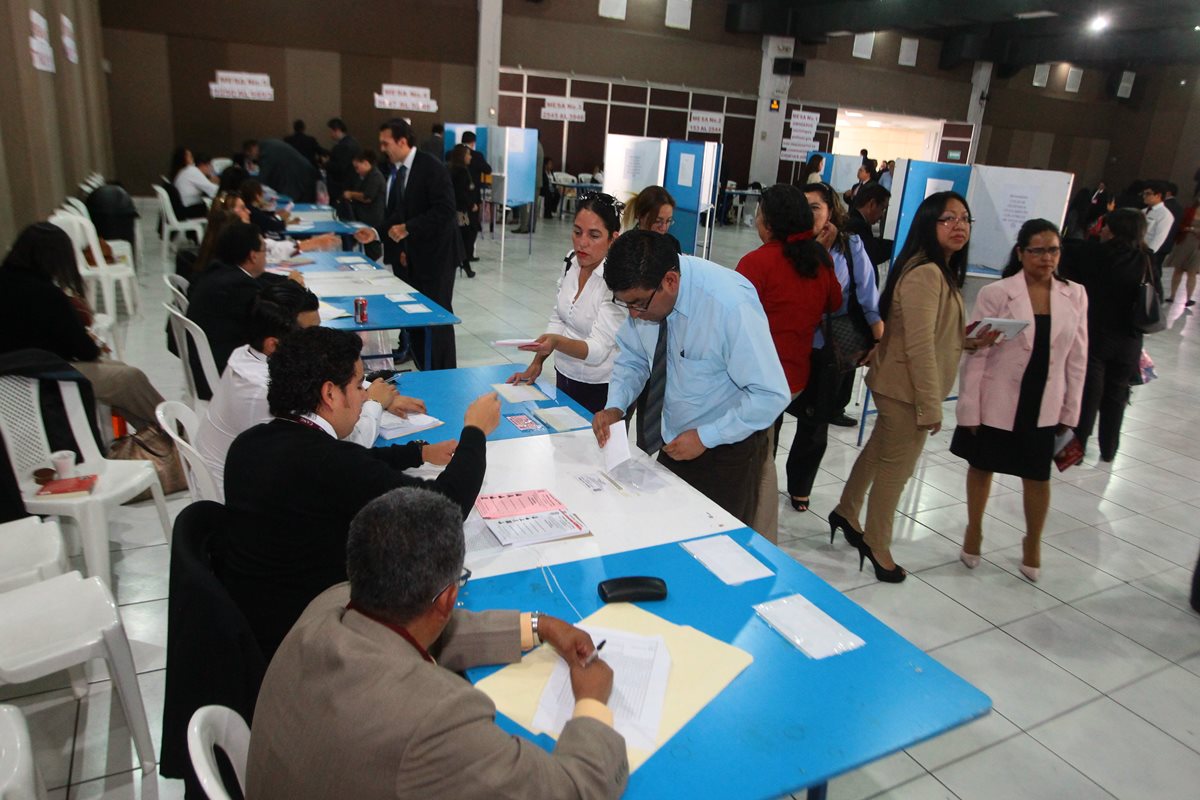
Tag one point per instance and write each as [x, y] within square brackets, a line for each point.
[179, 291]
[563, 177]
[19, 778]
[23, 429]
[170, 415]
[224, 728]
[181, 326]
[164, 205]
[219, 165]
[585, 177]
[77, 206]
[30, 551]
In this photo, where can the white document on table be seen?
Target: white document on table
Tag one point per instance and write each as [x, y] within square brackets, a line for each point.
[328, 312]
[518, 393]
[513, 342]
[546, 526]
[1008, 327]
[414, 308]
[392, 426]
[399, 297]
[616, 449]
[641, 666]
[561, 418]
[727, 559]
[478, 536]
[348, 259]
[817, 634]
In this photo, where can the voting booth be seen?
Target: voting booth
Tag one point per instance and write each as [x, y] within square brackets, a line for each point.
[512, 152]
[455, 130]
[686, 169]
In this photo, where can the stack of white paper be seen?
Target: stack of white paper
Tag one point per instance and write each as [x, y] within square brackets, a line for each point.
[641, 666]
[392, 426]
[329, 312]
[518, 393]
[726, 559]
[561, 418]
[545, 526]
[816, 633]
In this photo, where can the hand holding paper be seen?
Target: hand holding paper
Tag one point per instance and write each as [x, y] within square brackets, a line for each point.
[616, 449]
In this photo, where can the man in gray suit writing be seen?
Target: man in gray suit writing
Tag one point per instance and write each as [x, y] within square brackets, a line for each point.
[362, 698]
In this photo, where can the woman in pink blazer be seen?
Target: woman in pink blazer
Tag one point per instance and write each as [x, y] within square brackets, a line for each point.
[1013, 398]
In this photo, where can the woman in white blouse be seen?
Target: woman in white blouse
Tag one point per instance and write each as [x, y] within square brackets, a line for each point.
[191, 183]
[584, 322]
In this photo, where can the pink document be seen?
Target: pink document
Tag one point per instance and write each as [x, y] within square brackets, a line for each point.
[511, 504]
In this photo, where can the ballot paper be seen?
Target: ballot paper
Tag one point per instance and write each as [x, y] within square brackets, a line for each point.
[478, 536]
[518, 393]
[329, 312]
[399, 297]
[616, 449]
[512, 504]
[348, 259]
[817, 634]
[513, 342]
[547, 526]
[561, 418]
[363, 266]
[726, 559]
[392, 426]
[641, 666]
[414, 308]
[1008, 327]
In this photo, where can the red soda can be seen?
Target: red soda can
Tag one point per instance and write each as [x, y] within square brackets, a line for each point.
[360, 310]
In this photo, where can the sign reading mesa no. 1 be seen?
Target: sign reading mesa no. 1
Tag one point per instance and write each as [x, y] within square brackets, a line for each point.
[567, 109]
[405, 98]
[231, 85]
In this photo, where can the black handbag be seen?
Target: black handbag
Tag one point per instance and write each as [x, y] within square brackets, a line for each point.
[1148, 314]
[819, 399]
[848, 336]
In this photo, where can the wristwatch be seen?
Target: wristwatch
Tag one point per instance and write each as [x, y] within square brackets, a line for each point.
[421, 445]
[534, 618]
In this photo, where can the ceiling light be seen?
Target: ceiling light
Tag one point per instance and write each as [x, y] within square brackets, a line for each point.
[1098, 23]
[853, 114]
[1035, 14]
[1197, 28]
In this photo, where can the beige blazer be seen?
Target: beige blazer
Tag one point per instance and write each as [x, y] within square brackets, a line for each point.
[917, 358]
[990, 385]
[349, 709]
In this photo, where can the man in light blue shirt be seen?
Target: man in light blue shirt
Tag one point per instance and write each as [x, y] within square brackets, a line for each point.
[697, 340]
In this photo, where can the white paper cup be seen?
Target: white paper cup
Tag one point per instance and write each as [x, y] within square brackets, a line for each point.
[64, 463]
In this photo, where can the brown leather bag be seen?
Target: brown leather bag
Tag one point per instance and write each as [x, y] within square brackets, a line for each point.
[105, 250]
[155, 446]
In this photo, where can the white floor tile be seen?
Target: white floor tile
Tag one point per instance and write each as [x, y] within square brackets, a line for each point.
[951, 522]
[1024, 686]
[989, 591]
[1150, 622]
[1108, 553]
[103, 745]
[1180, 516]
[1063, 575]
[875, 778]
[1173, 586]
[918, 612]
[51, 719]
[141, 574]
[964, 741]
[1009, 508]
[1018, 768]
[926, 787]
[1123, 753]
[1085, 648]
[1161, 540]
[128, 786]
[1169, 700]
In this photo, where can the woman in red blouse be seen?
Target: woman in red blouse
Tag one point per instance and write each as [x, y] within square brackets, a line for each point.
[796, 284]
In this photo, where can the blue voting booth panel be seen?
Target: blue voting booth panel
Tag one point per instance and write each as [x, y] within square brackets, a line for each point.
[915, 183]
[455, 130]
[522, 167]
[685, 186]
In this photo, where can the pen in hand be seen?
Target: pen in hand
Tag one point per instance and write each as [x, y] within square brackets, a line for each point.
[595, 653]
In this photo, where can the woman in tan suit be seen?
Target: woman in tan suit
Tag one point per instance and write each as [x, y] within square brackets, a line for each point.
[912, 372]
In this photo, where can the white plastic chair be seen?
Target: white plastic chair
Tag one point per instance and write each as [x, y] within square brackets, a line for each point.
[28, 449]
[170, 415]
[224, 728]
[19, 778]
[30, 551]
[64, 622]
[178, 286]
[76, 205]
[181, 326]
[585, 177]
[83, 235]
[122, 249]
[172, 225]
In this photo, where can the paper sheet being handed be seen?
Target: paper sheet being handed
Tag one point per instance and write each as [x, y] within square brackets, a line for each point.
[616, 449]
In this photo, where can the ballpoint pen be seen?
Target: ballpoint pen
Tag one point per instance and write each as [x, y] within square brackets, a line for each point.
[595, 653]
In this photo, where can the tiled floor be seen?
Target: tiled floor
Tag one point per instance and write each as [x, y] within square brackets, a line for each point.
[1094, 671]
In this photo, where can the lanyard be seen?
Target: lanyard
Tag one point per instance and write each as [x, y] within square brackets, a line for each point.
[308, 423]
[400, 629]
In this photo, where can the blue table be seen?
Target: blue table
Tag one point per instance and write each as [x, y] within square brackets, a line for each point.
[448, 392]
[327, 261]
[303, 207]
[387, 315]
[787, 722]
[324, 226]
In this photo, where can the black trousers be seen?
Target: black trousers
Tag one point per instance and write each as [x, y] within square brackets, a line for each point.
[439, 288]
[811, 440]
[468, 233]
[728, 474]
[592, 396]
[1112, 363]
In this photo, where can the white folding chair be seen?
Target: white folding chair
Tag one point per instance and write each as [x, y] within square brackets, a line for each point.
[181, 327]
[108, 276]
[224, 728]
[75, 205]
[62, 623]
[178, 286]
[122, 249]
[30, 551]
[19, 777]
[28, 449]
[585, 177]
[172, 225]
[170, 415]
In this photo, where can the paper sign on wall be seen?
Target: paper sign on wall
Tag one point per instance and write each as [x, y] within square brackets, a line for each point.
[566, 109]
[231, 85]
[407, 98]
[68, 39]
[804, 125]
[797, 150]
[39, 42]
[706, 122]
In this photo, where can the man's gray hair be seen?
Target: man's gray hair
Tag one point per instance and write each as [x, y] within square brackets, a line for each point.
[404, 547]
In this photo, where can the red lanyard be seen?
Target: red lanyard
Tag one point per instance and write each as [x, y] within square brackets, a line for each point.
[397, 628]
[304, 421]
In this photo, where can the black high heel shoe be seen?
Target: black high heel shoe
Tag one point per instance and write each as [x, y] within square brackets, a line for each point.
[466, 267]
[894, 575]
[837, 521]
[799, 504]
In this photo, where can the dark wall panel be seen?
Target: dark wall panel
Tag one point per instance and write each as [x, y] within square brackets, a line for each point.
[586, 140]
[629, 120]
[667, 124]
[200, 122]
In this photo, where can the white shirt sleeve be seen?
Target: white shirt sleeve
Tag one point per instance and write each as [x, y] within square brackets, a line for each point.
[194, 185]
[603, 337]
[279, 249]
[366, 430]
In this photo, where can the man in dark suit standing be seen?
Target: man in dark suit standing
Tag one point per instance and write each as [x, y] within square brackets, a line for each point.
[306, 145]
[420, 232]
[284, 169]
[869, 206]
[339, 172]
[478, 167]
